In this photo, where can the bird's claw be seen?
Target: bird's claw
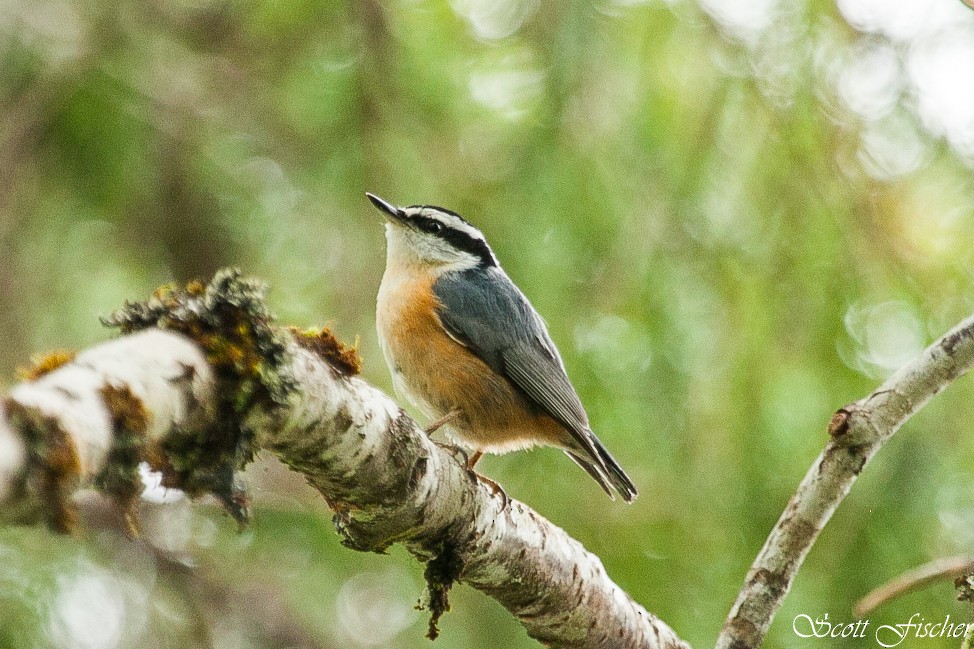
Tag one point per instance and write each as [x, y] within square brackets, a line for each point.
[495, 488]
[469, 461]
[458, 453]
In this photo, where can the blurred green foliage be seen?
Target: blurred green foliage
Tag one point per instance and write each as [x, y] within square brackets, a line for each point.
[729, 233]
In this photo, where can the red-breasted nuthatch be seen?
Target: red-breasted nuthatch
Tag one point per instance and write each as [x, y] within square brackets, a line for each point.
[467, 348]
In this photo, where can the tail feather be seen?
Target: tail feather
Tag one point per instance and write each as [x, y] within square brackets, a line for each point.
[605, 470]
[622, 482]
[593, 471]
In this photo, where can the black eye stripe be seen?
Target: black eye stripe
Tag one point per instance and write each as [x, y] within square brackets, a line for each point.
[427, 224]
[457, 238]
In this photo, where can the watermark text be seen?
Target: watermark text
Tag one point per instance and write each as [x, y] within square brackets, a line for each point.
[885, 635]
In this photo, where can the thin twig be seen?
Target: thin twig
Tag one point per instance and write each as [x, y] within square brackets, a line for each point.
[911, 580]
[857, 432]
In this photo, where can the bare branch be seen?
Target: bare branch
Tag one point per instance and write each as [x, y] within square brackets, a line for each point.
[858, 431]
[968, 641]
[385, 479]
[915, 579]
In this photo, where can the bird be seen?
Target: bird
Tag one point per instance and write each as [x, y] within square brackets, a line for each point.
[467, 349]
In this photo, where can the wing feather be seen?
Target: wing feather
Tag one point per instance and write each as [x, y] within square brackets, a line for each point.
[485, 311]
[546, 384]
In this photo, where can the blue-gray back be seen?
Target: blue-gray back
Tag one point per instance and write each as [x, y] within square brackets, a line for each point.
[485, 311]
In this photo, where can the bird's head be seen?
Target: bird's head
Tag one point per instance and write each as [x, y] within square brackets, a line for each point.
[434, 236]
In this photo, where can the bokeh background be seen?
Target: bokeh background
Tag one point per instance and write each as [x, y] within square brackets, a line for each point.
[735, 215]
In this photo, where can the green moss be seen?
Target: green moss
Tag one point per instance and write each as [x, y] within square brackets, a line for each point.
[52, 470]
[120, 477]
[229, 320]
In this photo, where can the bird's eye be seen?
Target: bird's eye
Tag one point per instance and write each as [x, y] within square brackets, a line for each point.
[433, 227]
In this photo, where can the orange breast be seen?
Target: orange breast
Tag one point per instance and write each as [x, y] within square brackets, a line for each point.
[439, 375]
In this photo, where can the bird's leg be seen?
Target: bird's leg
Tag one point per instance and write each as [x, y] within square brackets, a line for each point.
[473, 459]
[445, 419]
[469, 461]
[454, 450]
[494, 487]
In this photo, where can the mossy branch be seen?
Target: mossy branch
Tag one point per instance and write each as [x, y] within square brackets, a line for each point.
[202, 378]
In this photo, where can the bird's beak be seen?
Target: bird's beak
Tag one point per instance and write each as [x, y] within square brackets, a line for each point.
[390, 211]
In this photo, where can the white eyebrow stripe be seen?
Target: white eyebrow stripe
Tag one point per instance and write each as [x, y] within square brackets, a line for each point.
[466, 228]
[454, 223]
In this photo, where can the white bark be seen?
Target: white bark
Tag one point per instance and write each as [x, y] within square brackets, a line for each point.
[858, 431]
[388, 483]
[167, 373]
[384, 478]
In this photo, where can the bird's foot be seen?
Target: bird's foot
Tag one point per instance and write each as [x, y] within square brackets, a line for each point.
[458, 453]
[495, 488]
[469, 462]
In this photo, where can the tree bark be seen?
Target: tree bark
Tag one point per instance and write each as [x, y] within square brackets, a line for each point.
[196, 406]
[857, 432]
[385, 479]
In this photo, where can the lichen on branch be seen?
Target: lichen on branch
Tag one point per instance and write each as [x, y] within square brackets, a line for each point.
[229, 320]
[202, 377]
